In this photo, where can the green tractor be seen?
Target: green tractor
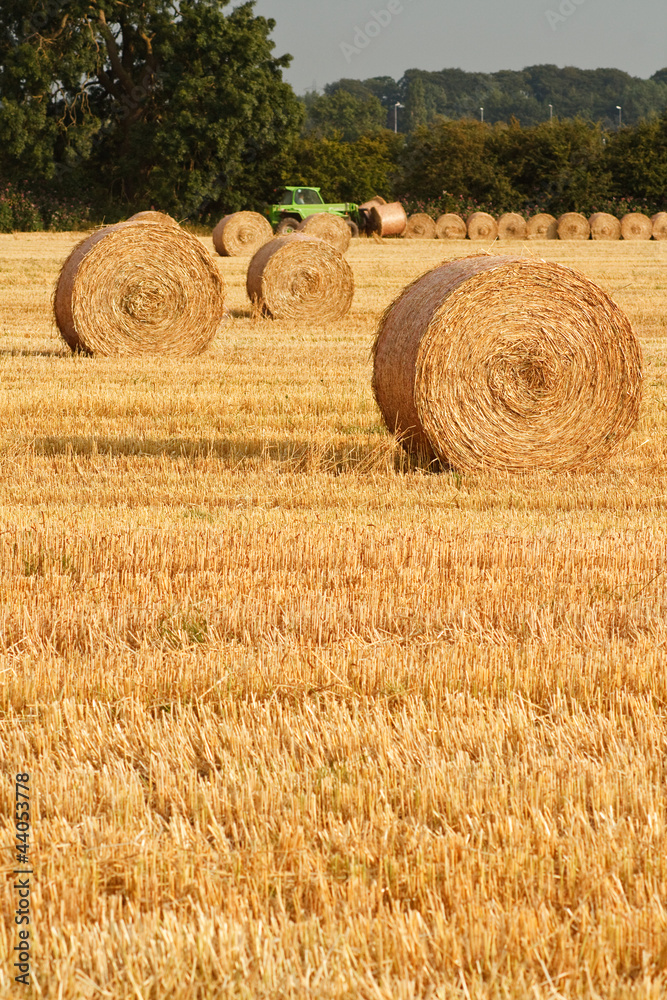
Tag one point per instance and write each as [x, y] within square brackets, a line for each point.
[297, 203]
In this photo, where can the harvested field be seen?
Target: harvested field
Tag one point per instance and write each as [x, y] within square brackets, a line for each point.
[304, 722]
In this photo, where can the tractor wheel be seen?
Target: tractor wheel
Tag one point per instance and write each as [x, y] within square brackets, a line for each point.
[354, 228]
[287, 226]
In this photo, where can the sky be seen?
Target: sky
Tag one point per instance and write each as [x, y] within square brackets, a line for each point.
[330, 39]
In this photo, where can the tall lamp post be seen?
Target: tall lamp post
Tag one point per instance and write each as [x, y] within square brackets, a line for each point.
[481, 114]
[396, 107]
[551, 112]
[619, 109]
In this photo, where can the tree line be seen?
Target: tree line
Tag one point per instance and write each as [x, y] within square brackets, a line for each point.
[106, 108]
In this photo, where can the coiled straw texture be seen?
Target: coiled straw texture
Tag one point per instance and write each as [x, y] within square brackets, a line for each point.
[636, 226]
[241, 234]
[605, 226]
[451, 227]
[542, 227]
[659, 222]
[161, 218]
[300, 277]
[138, 289]
[509, 364]
[573, 226]
[420, 227]
[482, 226]
[388, 220]
[331, 228]
[511, 226]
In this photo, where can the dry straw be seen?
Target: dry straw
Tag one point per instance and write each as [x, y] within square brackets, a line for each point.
[451, 227]
[330, 228]
[300, 277]
[420, 227]
[659, 222]
[367, 205]
[636, 226]
[482, 226]
[605, 226]
[511, 226]
[241, 234]
[138, 289]
[573, 226]
[161, 218]
[507, 363]
[542, 227]
[388, 220]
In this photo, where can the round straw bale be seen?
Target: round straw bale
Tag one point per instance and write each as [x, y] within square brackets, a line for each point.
[451, 227]
[659, 221]
[241, 233]
[573, 226]
[636, 226]
[331, 228]
[507, 363]
[605, 226]
[139, 289]
[161, 218]
[482, 226]
[420, 227]
[367, 205]
[388, 220]
[511, 226]
[542, 227]
[301, 277]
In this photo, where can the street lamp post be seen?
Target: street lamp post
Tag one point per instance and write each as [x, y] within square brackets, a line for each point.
[481, 114]
[396, 107]
[619, 109]
[551, 112]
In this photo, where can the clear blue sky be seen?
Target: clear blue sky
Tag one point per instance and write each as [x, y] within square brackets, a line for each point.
[483, 35]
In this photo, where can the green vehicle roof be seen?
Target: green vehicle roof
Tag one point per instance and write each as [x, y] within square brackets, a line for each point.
[300, 187]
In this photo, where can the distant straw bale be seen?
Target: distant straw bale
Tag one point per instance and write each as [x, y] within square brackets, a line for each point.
[367, 205]
[507, 363]
[388, 220]
[511, 226]
[241, 234]
[331, 228]
[542, 227]
[605, 226]
[573, 226]
[420, 227]
[139, 289]
[451, 227]
[636, 226]
[482, 226]
[161, 218]
[659, 222]
[300, 277]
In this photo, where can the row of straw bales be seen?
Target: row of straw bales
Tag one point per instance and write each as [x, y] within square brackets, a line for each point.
[243, 233]
[512, 226]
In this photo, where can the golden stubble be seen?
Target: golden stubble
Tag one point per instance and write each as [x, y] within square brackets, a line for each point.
[303, 721]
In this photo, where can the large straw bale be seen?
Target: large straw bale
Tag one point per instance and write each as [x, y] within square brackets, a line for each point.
[301, 277]
[605, 226]
[451, 227]
[636, 226]
[659, 223]
[482, 226]
[507, 363]
[161, 218]
[388, 220]
[511, 226]
[241, 234]
[420, 227]
[542, 227]
[331, 228]
[139, 288]
[573, 226]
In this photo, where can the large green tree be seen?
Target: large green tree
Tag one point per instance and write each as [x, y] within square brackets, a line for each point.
[175, 103]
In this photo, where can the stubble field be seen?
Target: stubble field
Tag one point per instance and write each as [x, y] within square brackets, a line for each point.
[302, 721]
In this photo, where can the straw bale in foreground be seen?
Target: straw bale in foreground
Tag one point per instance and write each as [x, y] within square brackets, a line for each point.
[605, 226]
[542, 227]
[451, 227]
[241, 234]
[420, 227]
[507, 363]
[511, 226]
[331, 228]
[482, 226]
[301, 277]
[139, 289]
[636, 226]
[161, 218]
[388, 220]
[573, 226]
[659, 223]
